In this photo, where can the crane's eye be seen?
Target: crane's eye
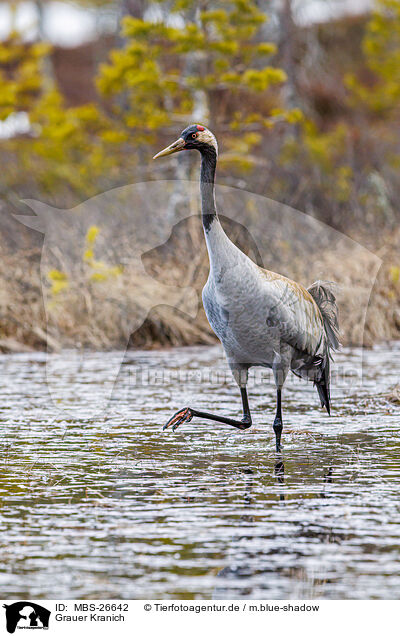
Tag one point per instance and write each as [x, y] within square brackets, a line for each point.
[194, 135]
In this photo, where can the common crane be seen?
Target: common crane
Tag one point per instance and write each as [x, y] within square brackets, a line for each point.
[260, 317]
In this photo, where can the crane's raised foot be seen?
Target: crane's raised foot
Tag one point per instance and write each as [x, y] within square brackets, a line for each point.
[184, 415]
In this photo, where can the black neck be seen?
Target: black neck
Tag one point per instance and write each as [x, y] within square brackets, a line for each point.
[207, 177]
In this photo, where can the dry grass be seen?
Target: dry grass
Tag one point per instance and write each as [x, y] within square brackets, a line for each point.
[97, 315]
[153, 306]
[381, 320]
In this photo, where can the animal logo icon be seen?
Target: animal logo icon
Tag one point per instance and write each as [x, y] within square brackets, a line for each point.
[133, 221]
[26, 615]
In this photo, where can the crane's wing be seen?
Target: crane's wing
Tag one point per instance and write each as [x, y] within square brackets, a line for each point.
[297, 316]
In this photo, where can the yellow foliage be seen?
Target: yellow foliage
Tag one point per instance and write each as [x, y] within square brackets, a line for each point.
[59, 281]
[92, 234]
[147, 85]
[88, 255]
[56, 275]
[381, 47]
[102, 271]
[395, 273]
[219, 46]
[58, 286]
[261, 80]
[105, 272]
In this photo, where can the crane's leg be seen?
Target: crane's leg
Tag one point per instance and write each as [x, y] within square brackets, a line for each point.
[280, 368]
[186, 414]
[278, 426]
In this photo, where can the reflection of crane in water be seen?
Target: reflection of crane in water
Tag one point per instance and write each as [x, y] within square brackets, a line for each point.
[279, 472]
[261, 318]
[258, 562]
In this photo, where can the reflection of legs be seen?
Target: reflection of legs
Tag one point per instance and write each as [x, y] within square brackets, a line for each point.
[327, 480]
[187, 413]
[279, 470]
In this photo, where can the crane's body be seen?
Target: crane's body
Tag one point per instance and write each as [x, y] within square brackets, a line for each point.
[260, 317]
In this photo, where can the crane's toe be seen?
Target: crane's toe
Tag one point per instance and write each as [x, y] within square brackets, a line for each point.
[184, 415]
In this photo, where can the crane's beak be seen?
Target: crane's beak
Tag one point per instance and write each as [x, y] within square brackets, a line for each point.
[178, 145]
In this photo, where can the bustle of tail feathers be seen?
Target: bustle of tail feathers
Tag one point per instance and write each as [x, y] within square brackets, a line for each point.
[322, 293]
[323, 387]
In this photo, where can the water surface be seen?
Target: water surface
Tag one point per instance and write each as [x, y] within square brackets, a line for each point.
[112, 507]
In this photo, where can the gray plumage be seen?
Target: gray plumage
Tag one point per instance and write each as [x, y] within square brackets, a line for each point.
[322, 292]
[265, 319]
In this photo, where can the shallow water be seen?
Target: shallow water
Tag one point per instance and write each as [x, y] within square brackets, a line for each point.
[112, 507]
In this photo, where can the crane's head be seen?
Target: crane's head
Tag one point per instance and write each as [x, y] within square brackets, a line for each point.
[194, 137]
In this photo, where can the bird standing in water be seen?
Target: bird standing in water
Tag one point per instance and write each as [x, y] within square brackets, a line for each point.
[261, 318]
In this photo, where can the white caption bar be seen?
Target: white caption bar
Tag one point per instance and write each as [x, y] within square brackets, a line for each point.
[172, 618]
